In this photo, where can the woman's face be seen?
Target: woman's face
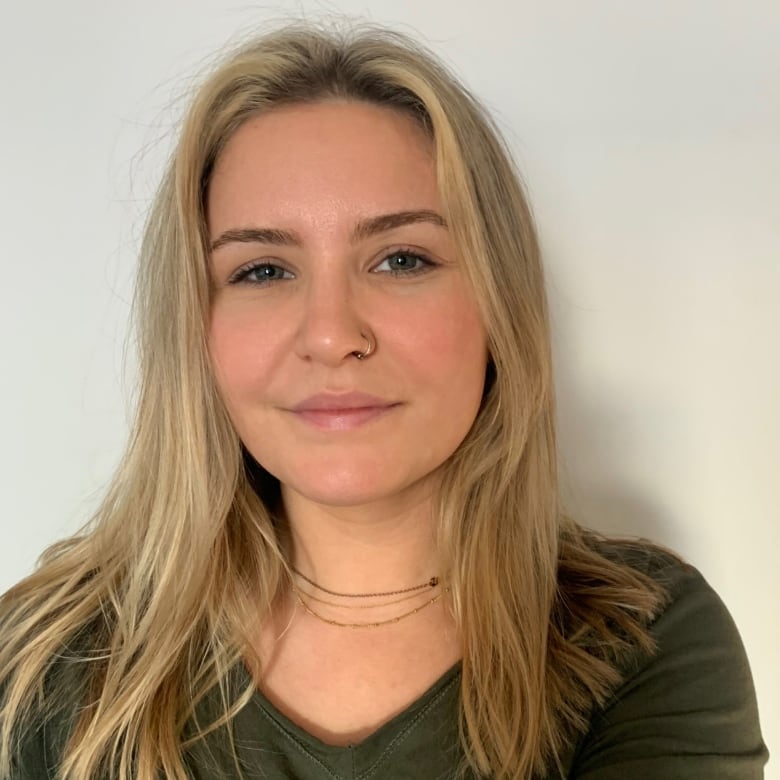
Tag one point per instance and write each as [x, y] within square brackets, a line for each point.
[326, 224]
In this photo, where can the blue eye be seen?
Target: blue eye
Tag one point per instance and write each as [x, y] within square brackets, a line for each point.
[263, 274]
[404, 262]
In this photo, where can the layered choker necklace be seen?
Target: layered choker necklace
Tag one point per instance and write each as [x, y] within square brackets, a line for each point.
[395, 597]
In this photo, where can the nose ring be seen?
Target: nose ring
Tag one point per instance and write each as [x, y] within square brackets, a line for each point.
[370, 346]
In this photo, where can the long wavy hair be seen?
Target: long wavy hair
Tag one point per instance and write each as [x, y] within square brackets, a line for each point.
[152, 600]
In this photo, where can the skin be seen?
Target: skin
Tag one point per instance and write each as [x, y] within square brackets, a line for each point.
[357, 500]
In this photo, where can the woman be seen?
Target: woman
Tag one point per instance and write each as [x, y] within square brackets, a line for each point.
[334, 546]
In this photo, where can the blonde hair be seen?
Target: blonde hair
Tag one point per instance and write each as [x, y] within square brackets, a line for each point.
[151, 602]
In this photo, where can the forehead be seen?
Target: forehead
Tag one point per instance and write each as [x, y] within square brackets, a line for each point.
[322, 164]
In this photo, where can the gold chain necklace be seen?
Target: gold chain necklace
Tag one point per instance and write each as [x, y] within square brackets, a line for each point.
[431, 583]
[365, 625]
[312, 597]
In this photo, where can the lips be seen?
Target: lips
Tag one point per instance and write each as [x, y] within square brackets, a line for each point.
[341, 411]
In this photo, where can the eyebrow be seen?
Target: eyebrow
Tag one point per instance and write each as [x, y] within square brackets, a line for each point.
[370, 226]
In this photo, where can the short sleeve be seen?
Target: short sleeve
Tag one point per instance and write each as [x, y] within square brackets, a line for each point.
[689, 712]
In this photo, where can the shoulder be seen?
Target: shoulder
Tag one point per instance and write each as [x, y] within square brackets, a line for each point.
[687, 710]
[40, 712]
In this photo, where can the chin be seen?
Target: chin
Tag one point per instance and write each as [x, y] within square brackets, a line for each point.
[344, 491]
[349, 486]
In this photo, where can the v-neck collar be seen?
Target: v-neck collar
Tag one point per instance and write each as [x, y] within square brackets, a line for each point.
[363, 758]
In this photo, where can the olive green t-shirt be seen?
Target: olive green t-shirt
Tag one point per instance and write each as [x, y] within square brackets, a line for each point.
[686, 713]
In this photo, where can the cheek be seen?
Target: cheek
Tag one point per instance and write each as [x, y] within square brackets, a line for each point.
[241, 352]
[448, 343]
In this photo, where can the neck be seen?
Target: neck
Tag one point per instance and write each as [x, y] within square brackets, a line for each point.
[361, 549]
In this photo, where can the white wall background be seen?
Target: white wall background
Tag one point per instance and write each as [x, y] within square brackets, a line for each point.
[649, 135]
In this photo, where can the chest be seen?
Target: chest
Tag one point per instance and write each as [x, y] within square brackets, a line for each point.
[341, 685]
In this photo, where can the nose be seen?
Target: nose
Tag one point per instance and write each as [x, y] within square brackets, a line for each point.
[330, 328]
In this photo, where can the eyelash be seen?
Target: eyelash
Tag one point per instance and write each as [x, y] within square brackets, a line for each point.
[426, 264]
